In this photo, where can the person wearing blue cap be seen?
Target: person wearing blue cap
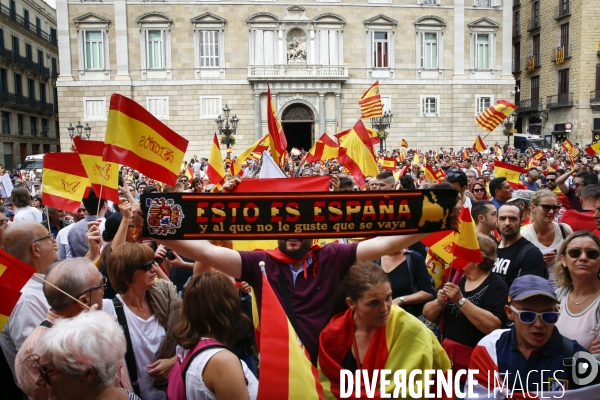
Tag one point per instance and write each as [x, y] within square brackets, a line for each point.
[532, 357]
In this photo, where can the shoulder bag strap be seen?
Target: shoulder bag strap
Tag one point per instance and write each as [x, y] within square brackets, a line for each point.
[46, 323]
[287, 300]
[411, 273]
[129, 356]
[213, 344]
[562, 230]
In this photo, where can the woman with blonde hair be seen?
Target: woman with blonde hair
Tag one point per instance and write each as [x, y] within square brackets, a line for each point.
[577, 273]
[543, 232]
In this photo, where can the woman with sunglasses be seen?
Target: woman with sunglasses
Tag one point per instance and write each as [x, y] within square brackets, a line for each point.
[578, 276]
[544, 233]
[479, 191]
[149, 310]
[78, 358]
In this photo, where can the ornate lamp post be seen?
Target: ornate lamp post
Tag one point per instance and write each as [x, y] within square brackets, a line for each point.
[380, 124]
[227, 127]
[80, 128]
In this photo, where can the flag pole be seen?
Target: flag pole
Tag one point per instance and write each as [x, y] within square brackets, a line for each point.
[48, 218]
[101, 187]
[60, 290]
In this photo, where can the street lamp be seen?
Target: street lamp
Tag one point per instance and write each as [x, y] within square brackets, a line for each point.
[227, 126]
[380, 124]
[80, 128]
[509, 124]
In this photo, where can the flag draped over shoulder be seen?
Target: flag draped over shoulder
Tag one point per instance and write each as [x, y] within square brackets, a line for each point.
[479, 146]
[277, 139]
[103, 175]
[135, 138]
[14, 274]
[324, 149]
[511, 172]
[495, 114]
[286, 370]
[215, 169]
[64, 181]
[356, 155]
[370, 102]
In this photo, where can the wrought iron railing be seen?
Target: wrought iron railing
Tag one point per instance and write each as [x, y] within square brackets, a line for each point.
[595, 96]
[530, 105]
[560, 100]
[7, 12]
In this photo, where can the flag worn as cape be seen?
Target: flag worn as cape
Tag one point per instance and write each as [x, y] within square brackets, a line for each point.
[103, 175]
[64, 181]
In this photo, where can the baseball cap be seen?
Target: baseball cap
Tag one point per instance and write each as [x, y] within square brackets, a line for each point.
[524, 195]
[528, 286]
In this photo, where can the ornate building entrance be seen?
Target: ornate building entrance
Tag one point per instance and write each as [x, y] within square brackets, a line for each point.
[298, 123]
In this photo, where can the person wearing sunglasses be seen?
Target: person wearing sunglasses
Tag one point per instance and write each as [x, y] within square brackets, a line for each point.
[480, 192]
[79, 357]
[533, 347]
[578, 275]
[544, 233]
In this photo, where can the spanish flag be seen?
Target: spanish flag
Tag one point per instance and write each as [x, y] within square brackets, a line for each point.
[64, 181]
[466, 154]
[479, 146]
[570, 148]
[189, 172]
[286, 372]
[593, 149]
[388, 163]
[324, 149]
[434, 176]
[356, 155]
[538, 155]
[103, 175]
[14, 274]
[370, 102]
[277, 139]
[215, 169]
[257, 147]
[511, 172]
[493, 116]
[135, 138]
[404, 144]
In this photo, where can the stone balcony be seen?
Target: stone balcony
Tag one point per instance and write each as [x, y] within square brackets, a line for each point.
[283, 72]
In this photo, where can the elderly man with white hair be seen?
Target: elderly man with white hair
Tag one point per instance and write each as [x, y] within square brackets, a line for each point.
[78, 358]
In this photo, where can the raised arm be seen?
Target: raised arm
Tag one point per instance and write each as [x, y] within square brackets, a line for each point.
[561, 181]
[375, 248]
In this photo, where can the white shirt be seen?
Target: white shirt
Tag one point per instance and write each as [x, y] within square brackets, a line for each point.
[30, 311]
[28, 214]
[63, 242]
[146, 337]
[195, 389]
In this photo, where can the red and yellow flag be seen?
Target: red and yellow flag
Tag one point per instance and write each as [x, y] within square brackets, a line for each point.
[479, 146]
[103, 175]
[14, 274]
[286, 370]
[570, 148]
[215, 169]
[388, 163]
[324, 149]
[189, 172]
[538, 155]
[404, 144]
[64, 181]
[277, 139]
[135, 138]
[495, 114]
[465, 154]
[593, 149]
[257, 147]
[401, 156]
[497, 149]
[511, 172]
[370, 102]
[356, 155]
[434, 176]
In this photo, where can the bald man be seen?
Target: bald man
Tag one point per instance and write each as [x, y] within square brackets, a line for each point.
[31, 243]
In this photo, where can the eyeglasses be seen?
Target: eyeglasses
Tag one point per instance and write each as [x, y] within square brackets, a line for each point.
[45, 374]
[51, 237]
[147, 266]
[548, 207]
[529, 317]
[90, 290]
[550, 180]
[479, 190]
[592, 254]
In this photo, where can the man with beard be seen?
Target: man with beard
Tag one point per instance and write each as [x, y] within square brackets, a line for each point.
[517, 256]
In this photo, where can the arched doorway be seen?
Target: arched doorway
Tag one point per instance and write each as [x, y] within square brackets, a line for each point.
[298, 124]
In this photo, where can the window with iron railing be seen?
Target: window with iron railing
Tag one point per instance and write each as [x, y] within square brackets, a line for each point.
[535, 15]
[516, 57]
[535, 47]
[564, 38]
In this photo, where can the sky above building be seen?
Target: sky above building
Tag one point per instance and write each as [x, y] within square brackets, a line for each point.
[52, 3]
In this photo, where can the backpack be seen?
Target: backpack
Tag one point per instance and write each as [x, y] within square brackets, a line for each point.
[176, 378]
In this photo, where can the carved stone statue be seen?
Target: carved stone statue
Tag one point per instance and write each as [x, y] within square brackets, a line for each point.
[296, 46]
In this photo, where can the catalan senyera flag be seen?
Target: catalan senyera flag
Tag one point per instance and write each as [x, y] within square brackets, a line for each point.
[370, 102]
[388, 163]
[136, 138]
[401, 156]
[286, 370]
[495, 114]
[512, 173]
[64, 181]
[404, 144]
[14, 274]
[356, 155]
[103, 175]
[570, 148]
[215, 169]
[531, 63]
[324, 149]
[560, 54]
[479, 146]
[277, 139]
[593, 149]
[434, 176]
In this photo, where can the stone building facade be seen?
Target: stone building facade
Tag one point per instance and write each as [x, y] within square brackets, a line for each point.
[438, 62]
[28, 73]
[556, 62]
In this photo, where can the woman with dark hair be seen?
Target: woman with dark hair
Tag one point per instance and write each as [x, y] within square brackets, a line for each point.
[372, 334]
[37, 202]
[21, 200]
[212, 316]
[578, 276]
[479, 191]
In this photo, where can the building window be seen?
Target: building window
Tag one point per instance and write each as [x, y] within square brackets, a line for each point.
[517, 22]
[155, 49]
[209, 38]
[563, 82]
[535, 15]
[482, 51]
[45, 127]
[429, 55]
[535, 48]
[430, 106]
[41, 58]
[158, 106]
[380, 46]
[155, 45]
[5, 122]
[33, 126]
[20, 124]
[516, 57]
[210, 107]
[94, 50]
[94, 109]
[482, 3]
[482, 103]
[564, 38]
[380, 50]
[42, 88]
[28, 52]
[18, 85]
[534, 91]
[31, 88]
[3, 80]
[209, 48]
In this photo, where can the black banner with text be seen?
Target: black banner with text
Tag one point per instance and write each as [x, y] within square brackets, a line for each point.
[284, 215]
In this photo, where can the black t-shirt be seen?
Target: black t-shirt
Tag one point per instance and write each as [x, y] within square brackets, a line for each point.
[401, 283]
[491, 295]
[508, 268]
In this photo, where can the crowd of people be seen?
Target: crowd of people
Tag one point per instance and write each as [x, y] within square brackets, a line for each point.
[182, 309]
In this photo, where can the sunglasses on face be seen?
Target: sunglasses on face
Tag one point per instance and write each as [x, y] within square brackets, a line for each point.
[147, 266]
[548, 207]
[479, 190]
[529, 317]
[575, 253]
[45, 374]
[550, 180]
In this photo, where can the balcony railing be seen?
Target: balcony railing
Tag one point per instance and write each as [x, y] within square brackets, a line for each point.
[534, 23]
[286, 71]
[563, 9]
[24, 61]
[24, 101]
[595, 96]
[5, 11]
[516, 29]
[530, 105]
[516, 66]
[560, 100]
